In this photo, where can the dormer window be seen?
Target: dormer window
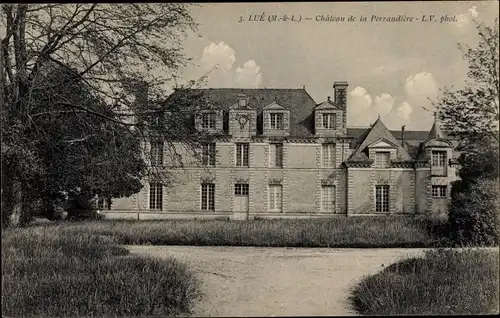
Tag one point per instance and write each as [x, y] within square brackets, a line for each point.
[329, 120]
[382, 159]
[438, 158]
[242, 101]
[208, 121]
[276, 120]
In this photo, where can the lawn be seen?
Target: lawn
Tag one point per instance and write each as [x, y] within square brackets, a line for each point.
[78, 268]
[443, 282]
[362, 232]
[55, 271]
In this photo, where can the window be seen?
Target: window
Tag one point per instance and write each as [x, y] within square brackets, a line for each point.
[242, 154]
[101, 203]
[382, 198]
[382, 159]
[241, 189]
[156, 153]
[242, 102]
[155, 196]
[328, 155]
[328, 198]
[276, 120]
[276, 155]
[104, 203]
[208, 196]
[208, 120]
[439, 191]
[275, 195]
[438, 158]
[329, 121]
[208, 155]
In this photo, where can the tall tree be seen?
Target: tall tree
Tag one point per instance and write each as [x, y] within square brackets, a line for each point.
[472, 113]
[79, 150]
[108, 48]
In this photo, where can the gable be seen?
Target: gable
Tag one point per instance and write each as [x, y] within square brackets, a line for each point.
[328, 105]
[381, 143]
[439, 142]
[377, 133]
[274, 106]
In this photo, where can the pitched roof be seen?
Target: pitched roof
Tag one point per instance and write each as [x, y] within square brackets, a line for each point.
[435, 131]
[298, 101]
[301, 106]
[376, 132]
[328, 104]
[412, 138]
[420, 135]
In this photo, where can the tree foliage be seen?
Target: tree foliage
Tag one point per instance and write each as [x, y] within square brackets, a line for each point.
[475, 219]
[472, 114]
[73, 84]
[81, 150]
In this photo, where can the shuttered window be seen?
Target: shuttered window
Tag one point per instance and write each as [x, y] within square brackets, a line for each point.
[242, 154]
[276, 155]
[328, 155]
[275, 198]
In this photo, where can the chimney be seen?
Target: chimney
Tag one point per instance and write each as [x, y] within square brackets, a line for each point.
[403, 136]
[340, 93]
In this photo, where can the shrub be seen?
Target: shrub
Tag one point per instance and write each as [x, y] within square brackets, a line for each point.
[443, 282]
[474, 217]
[54, 271]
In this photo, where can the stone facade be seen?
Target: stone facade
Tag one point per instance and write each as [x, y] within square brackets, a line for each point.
[325, 168]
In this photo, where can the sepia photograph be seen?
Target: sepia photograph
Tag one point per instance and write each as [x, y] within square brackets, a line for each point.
[248, 159]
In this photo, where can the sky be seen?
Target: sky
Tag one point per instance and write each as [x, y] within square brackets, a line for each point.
[393, 68]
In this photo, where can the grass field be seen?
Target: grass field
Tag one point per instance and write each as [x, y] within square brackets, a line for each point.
[55, 271]
[444, 282]
[336, 232]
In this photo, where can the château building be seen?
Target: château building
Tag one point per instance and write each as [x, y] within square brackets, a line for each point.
[276, 153]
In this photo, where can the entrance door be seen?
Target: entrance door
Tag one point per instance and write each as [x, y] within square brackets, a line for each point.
[328, 199]
[241, 200]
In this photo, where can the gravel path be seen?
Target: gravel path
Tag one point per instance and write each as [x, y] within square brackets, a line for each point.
[254, 281]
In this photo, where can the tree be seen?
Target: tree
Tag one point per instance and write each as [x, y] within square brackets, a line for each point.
[96, 155]
[471, 114]
[475, 219]
[107, 49]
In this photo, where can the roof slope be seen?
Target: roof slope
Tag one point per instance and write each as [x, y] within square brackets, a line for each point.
[298, 101]
[412, 138]
[376, 132]
[435, 131]
[328, 104]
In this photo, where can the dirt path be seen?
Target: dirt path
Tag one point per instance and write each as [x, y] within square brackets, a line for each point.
[253, 281]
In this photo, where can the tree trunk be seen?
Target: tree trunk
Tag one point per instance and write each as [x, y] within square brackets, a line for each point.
[16, 218]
